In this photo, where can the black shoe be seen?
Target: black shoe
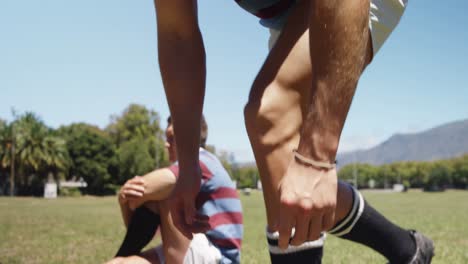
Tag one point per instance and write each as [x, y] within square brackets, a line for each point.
[424, 249]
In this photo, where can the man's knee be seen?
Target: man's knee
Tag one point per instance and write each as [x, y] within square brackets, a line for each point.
[136, 260]
[260, 113]
[270, 118]
[129, 260]
[117, 260]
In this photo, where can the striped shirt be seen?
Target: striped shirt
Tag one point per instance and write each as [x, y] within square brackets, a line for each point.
[219, 200]
[272, 13]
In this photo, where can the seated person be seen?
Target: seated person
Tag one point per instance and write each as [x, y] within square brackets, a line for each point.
[144, 205]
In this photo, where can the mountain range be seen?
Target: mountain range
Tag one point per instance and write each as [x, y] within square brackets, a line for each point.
[441, 142]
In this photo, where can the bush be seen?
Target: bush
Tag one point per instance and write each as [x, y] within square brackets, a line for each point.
[406, 184]
[111, 189]
[69, 192]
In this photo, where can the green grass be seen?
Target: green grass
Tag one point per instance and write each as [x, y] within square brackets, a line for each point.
[89, 229]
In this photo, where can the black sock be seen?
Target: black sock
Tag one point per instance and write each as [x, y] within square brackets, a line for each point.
[365, 225]
[310, 252]
[140, 232]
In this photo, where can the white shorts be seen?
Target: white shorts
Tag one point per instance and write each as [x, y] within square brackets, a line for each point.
[200, 251]
[384, 17]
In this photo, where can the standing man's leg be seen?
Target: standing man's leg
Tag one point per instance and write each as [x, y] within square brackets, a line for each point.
[274, 115]
[278, 103]
[341, 49]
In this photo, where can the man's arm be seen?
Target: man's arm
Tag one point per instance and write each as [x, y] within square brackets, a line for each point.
[183, 70]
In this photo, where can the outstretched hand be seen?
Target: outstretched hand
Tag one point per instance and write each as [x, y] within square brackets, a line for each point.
[307, 202]
[132, 191]
[182, 203]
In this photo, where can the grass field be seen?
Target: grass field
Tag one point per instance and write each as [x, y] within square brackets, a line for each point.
[89, 229]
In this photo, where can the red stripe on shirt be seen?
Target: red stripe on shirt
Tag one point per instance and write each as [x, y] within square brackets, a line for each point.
[206, 173]
[274, 10]
[220, 193]
[231, 218]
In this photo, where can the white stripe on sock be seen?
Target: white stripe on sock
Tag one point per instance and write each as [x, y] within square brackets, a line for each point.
[305, 246]
[350, 215]
[361, 209]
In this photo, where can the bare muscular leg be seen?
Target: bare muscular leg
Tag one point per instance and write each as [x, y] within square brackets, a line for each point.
[277, 106]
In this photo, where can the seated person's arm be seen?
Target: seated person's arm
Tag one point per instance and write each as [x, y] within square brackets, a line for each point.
[154, 186]
[158, 186]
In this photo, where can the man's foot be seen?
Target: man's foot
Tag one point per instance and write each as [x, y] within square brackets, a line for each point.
[424, 249]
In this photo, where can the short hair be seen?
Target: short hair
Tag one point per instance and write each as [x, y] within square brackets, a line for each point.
[203, 130]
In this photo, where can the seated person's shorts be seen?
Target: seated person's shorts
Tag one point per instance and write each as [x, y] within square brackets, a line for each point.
[200, 251]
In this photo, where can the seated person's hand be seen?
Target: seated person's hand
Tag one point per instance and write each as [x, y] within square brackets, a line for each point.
[132, 192]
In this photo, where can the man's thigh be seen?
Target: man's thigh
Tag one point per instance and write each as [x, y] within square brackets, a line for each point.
[277, 103]
[286, 74]
[280, 93]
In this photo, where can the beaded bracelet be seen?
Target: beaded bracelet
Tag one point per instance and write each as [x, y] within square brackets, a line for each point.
[318, 164]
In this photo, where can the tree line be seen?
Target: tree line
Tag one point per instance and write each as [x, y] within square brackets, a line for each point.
[133, 143]
[430, 175]
[31, 153]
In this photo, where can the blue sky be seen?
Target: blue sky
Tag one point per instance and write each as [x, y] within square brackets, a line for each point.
[82, 61]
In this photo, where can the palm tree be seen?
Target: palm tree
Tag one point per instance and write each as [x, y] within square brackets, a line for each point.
[57, 158]
[7, 149]
[31, 132]
[28, 144]
[39, 153]
[5, 146]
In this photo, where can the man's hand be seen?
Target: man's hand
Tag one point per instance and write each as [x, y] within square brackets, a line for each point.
[307, 202]
[182, 203]
[132, 191]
